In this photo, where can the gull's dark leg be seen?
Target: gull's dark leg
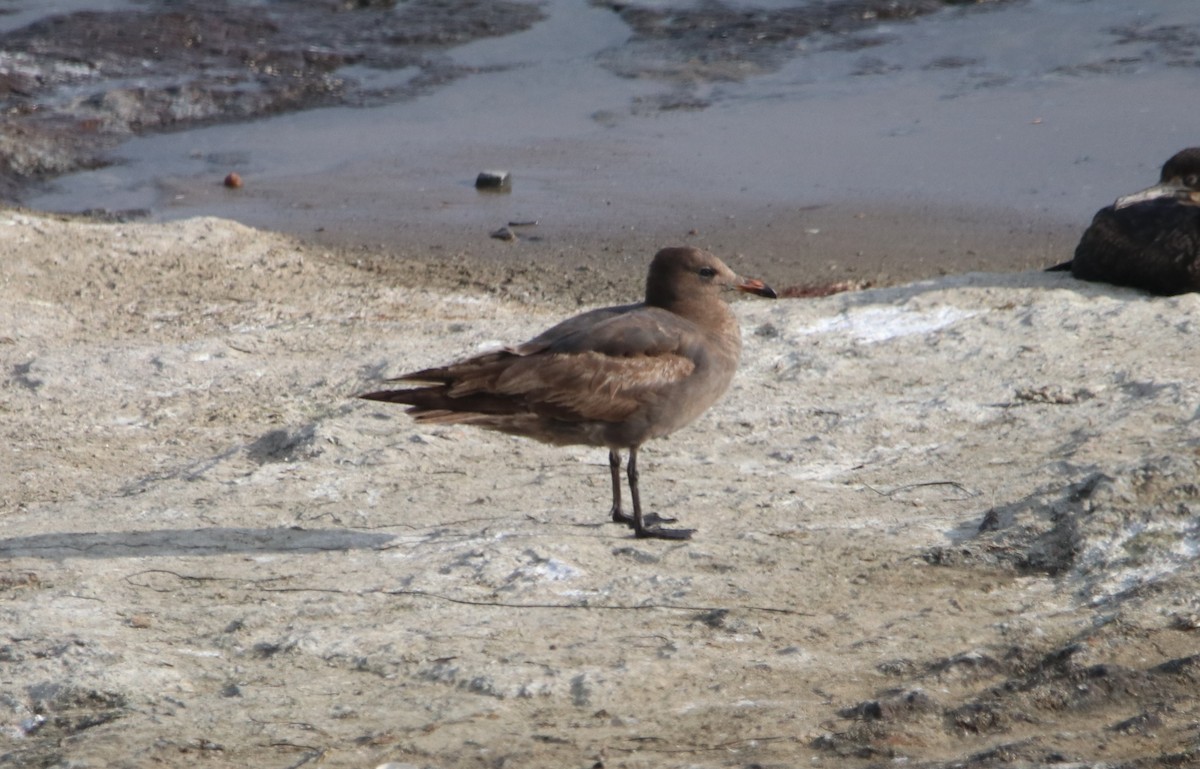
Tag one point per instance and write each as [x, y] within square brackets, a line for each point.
[646, 528]
[614, 465]
[618, 515]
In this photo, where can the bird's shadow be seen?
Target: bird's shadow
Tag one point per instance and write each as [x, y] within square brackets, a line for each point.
[184, 542]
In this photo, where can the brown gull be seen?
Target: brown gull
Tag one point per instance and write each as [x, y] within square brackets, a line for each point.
[614, 377]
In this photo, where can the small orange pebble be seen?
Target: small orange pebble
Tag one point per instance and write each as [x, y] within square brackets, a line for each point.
[234, 180]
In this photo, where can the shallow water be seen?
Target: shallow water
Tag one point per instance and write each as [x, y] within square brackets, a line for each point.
[1050, 109]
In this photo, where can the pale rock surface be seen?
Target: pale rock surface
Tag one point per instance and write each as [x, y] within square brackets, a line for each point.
[210, 549]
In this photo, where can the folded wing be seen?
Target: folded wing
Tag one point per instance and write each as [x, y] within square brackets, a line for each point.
[586, 369]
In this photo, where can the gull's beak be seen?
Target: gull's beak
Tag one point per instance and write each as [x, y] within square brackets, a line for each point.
[756, 287]
[1173, 189]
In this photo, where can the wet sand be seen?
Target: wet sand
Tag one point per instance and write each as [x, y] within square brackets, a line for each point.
[869, 244]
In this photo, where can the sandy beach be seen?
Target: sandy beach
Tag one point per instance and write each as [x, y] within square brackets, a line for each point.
[947, 523]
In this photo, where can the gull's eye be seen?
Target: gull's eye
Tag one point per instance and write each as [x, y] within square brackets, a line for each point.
[707, 272]
[1192, 180]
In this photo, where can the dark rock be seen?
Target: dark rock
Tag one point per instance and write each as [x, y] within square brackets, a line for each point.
[494, 181]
